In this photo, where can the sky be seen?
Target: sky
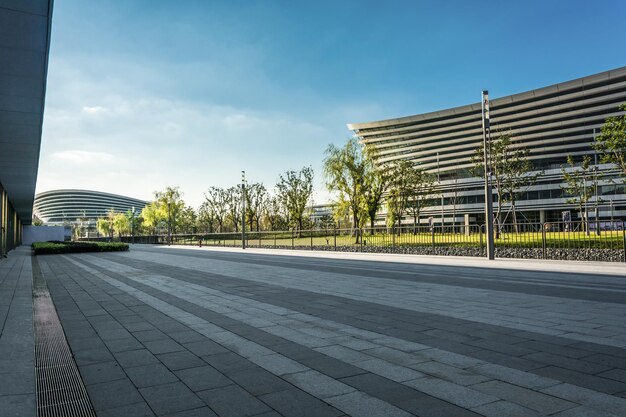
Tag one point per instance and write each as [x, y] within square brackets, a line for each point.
[145, 94]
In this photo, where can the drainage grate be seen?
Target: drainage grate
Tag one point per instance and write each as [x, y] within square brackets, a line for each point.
[60, 389]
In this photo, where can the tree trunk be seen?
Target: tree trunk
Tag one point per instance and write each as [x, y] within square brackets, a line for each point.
[514, 216]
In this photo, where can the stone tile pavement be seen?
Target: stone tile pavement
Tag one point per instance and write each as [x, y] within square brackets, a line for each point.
[171, 331]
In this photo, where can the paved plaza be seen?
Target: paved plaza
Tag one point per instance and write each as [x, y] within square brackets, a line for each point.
[172, 331]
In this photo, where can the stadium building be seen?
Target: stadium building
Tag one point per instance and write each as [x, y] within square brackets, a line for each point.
[70, 207]
[551, 122]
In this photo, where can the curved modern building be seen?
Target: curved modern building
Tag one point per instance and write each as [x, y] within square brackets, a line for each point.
[59, 207]
[551, 122]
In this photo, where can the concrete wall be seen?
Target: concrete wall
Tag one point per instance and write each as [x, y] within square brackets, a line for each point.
[45, 233]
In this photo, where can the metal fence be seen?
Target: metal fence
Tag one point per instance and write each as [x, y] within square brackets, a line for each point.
[555, 240]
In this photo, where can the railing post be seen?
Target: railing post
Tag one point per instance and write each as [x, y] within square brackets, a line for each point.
[393, 236]
[274, 240]
[432, 238]
[543, 241]
[292, 242]
[361, 237]
[624, 240]
[335, 237]
[480, 234]
[311, 239]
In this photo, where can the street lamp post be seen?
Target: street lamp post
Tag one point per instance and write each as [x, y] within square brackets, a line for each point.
[243, 209]
[488, 192]
[132, 224]
[441, 189]
[595, 181]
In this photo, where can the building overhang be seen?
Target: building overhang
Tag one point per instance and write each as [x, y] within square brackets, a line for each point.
[24, 50]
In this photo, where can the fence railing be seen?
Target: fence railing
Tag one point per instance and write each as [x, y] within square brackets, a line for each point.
[553, 240]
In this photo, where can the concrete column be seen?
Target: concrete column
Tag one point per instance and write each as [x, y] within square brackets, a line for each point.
[542, 216]
[467, 228]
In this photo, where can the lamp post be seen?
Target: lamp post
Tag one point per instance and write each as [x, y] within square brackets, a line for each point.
[441, 189]
[595, 180]
[488, 192]
[132, 224]
[243, 209]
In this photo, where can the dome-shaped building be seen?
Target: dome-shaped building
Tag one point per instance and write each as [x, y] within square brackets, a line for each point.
[63, 207]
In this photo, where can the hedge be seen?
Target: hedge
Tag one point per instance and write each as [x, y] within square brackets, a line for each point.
[56, 247]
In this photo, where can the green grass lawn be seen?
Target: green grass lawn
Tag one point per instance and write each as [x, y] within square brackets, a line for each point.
[607, 240]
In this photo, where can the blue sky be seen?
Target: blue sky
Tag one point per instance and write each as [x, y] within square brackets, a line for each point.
[145, 94]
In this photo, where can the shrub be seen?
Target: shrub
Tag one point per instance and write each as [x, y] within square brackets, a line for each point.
[57, 247]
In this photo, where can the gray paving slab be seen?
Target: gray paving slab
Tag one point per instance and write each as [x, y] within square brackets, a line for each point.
[281, 333]
[170, 398]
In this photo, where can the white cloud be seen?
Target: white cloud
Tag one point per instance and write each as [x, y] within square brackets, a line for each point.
[81, 157]
[94, 110]
[113, 136]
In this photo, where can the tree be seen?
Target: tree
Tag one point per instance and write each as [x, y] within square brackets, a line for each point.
[294, 188]
[153, 215]
[272, 213]
[81, 225]
[419, 192]
[510, 172]
[399, 191]
[345, 170]
[217, 204]
[611, 143]
[577, 184]
[256, 194]
[187, 220]
[170, 201]
[205, 218]
[233, 203]
[376, 184]
[121, 224]
[37, 221]
[105, 224]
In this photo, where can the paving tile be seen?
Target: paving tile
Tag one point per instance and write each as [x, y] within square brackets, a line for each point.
[296, 403]
[149, 335]
[388, 370]
[568, 363]
[149, 375]
[258, 381]
[196, 412]
[505, 408]
[588, 397]
[135, 358]
[450, 373]
[542, 403]
[121, 345]
[18, 405]
[180, 360]
[318, 384]
[233, 401]
[91, 356]
[140, 409]
[332, 367]
[101, 372]
[357, 403]
[202, 378]
[453, 393]
[170, 398]
[228, 363]
[163, 346]
[113, 394]
[605, 385]
[17, 383]
[205, 347]
[279, 364]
